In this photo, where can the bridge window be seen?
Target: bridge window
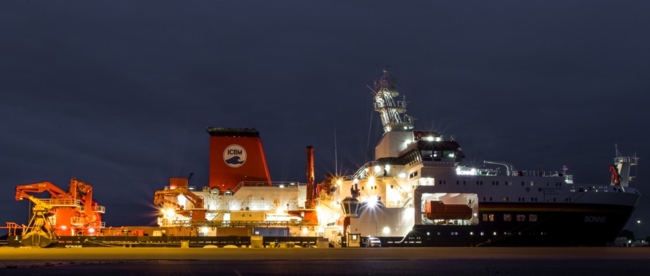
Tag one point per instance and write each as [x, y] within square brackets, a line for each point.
[491, 217]
[532, 217]
[521, 217]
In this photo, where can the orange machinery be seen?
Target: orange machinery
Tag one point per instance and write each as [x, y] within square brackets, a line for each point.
[178, 186]
[73, 212]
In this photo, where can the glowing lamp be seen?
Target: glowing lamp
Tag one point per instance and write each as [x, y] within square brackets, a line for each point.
[386, 230]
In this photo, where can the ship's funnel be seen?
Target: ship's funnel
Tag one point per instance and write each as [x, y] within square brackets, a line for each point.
[310, 177]
[236, 156]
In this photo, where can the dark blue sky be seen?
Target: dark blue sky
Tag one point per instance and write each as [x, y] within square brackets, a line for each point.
[118, 94]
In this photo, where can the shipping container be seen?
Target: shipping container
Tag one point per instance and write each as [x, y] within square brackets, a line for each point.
[256, 216]
[234, 231]
[271, 231]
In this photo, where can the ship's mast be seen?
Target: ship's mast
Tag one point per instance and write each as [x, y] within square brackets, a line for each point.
[392, 112]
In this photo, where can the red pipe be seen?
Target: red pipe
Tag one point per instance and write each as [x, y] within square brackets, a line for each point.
[310, 177]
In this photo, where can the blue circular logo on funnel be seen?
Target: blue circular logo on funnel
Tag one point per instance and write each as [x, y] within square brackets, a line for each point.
[234, 156]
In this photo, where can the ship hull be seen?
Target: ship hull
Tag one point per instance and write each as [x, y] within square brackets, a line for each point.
[554, 225]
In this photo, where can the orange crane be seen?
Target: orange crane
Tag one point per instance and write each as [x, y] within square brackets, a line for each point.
[62, 203]
[68, 218]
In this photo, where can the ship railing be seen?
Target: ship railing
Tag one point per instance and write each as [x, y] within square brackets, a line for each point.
[77, 221]
[279, 184]
[621, 159]
[367, 168]
[98, 224]
[96, 209]
[568, 179]
[99, 209]
[62, 202]
[190, 188]
[12, 228]
[188, 223]
[528, 173]
[441, 163]
[393, 203]
[393, 104]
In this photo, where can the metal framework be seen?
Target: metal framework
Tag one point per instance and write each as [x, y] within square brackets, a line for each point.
[393, 113]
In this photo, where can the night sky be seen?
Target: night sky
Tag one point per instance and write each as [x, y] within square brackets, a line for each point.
[118, 94]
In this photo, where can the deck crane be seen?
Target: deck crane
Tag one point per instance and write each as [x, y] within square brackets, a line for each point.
[68, 217]
[64, 206]
[197, 211]
[40, 231]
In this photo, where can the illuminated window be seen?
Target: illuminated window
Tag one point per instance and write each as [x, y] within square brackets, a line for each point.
[507, 217]
[491, 217]
[532, 217]
[521, 217]
[485, 217]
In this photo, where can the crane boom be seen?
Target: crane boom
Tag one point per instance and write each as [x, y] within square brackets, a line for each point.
[23, 191]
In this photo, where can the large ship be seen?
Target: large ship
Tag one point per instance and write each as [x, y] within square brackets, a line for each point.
[416, 192]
